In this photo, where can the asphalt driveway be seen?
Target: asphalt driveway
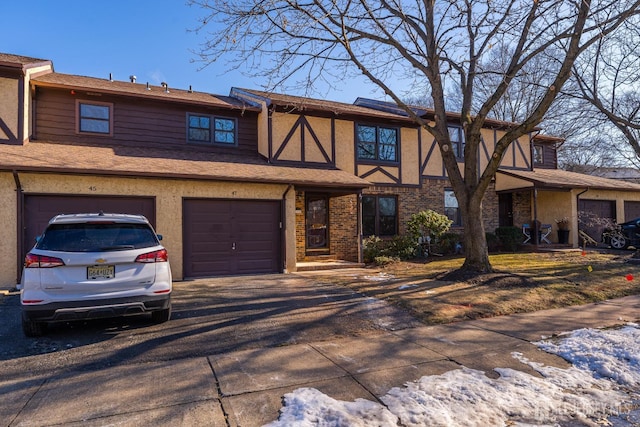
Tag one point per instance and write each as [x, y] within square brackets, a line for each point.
[210, 316]
[235, 346]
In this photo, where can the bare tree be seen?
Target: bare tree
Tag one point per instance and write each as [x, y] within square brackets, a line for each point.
[430, 43]
[606, 76]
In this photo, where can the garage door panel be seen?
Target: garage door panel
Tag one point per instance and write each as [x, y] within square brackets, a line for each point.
[40, 208]
[595, 215]
[225, 237]
[631, 210]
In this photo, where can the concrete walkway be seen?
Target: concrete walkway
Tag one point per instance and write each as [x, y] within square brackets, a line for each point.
[245, 388]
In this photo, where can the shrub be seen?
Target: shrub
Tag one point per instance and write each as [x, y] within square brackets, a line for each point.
[447, 243]
[428, 223]
[403, 247]
[493, 243]
[371, 248]
[509, 237]
[398, 247]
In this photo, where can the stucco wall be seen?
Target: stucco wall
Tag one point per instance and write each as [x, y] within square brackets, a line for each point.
[553, 206]
[168, 195]
[345, 146]
[8, 231]
[9, 108]
[410, 160]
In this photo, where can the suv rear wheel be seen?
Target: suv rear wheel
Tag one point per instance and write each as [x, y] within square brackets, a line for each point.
[32, 328]
[161, 316]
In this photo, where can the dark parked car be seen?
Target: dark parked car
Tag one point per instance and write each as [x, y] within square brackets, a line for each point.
[623, 235]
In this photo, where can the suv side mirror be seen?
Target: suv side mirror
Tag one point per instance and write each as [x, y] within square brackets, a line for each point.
[159, 236]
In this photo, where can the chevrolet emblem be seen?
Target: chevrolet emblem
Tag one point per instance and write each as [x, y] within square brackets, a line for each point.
[101, 260]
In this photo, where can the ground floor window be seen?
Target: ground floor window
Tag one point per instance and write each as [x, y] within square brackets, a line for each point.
[379, 215]
[451, 207]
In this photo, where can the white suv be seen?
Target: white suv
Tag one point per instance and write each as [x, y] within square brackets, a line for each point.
[87, 266]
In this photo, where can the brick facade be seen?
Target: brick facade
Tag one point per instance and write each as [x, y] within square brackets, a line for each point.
[343, 214]
[343, 227]
[521, 208]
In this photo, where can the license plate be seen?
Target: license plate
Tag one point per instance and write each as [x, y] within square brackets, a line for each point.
[98, 272]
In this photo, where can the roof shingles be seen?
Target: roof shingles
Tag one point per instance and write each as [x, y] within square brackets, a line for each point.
[555, 178]
[165, 163]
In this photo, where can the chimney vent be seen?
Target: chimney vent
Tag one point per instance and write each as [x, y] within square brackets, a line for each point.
[132, 78]
[165, 86]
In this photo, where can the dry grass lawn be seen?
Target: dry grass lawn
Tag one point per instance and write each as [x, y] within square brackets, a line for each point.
[522, 282]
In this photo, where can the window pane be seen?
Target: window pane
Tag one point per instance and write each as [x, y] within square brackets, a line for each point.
[387, 206]
[538, 154]
[453, 214]
[388, 226]
[368, 216]
[201, 122]
[387, 152]
[225, 137]
[451, 207]
[366, 150]
[368, 225]
[366, 142]
[456, 136]
[450, 200]
[388, 136]
[199, 135]
[387, 212]
[92, 125]
[94, 111]
[366, 133]
[225, 124]
[388, 140]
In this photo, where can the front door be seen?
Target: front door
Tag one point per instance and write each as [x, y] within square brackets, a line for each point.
[317, 224]
[505, 210]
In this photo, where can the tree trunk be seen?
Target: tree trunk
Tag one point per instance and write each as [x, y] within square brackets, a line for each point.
[475, 240]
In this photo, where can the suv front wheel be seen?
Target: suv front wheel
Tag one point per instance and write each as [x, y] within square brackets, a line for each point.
[617, 240]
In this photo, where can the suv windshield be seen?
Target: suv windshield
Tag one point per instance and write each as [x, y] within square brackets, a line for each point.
[92, 237]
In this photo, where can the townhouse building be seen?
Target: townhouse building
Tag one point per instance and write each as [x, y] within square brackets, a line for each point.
[251, 182]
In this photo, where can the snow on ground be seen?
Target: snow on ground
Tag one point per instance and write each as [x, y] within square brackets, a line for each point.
[601, 388]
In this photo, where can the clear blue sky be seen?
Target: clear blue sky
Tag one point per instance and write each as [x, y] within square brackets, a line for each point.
[147, 38]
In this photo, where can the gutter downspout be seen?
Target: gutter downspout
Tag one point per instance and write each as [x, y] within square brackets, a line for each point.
[534, 227]
[283, 226]
[19, 225]
[359, 228]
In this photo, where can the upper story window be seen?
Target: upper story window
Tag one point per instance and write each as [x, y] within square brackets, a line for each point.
[379, 215]
[456, 136]
[377, 143]
[94, 117]
[538, 154]
[219, 130]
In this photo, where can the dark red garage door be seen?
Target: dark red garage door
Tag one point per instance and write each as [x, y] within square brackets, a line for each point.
[631, 210]
[39, 209]
[227, 237]
[595, 215]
